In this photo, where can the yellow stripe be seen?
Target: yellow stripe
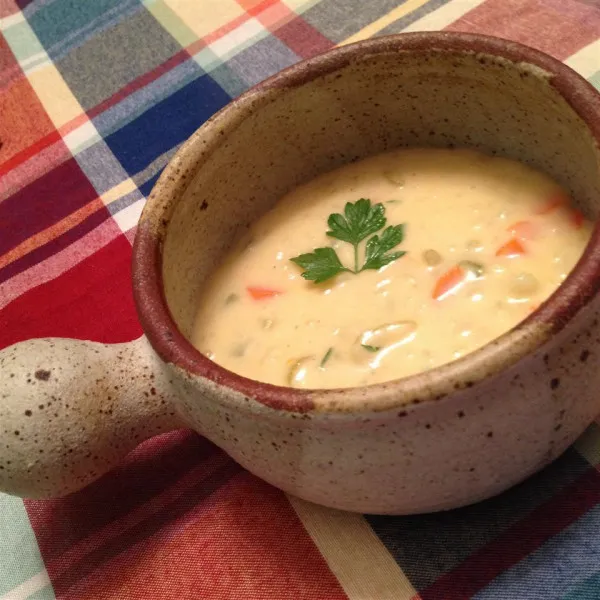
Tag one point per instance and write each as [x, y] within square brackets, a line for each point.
[47, 82]
[587, 60]
[356, 556]
[118, 191]
[395, 14]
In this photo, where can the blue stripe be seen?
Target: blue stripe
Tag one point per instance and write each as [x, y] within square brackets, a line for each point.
[64, 25]
[427, 546]
[30, 9]
[138, 102]
[550, 572]
[166, 124]
[146, 188]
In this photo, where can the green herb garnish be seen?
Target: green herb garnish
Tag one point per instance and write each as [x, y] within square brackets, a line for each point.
[326, 358]
[359, 221]
[319, 265]
[371, 348]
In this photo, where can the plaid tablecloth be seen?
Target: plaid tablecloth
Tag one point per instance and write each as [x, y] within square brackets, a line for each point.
[95, 97]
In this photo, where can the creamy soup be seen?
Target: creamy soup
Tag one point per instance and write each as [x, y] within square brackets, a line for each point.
[466, 246]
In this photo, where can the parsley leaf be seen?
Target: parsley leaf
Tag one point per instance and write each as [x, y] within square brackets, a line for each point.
[319, 265]
[359, 221]
[377, 247]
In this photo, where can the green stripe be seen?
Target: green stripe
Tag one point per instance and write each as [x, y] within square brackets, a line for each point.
[20, 557]
[44, 594]
[588, 590]
[595, 80]
[23, 41]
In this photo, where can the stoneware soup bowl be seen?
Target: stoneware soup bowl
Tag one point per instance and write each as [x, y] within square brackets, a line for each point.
[70, 410]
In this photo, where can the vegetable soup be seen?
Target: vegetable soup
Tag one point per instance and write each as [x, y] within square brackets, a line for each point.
[389, 266]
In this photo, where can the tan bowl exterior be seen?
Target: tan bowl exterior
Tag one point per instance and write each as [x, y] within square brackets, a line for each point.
[434, 441]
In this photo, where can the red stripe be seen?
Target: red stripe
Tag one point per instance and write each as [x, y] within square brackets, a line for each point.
[73, 124]
[255, 10]
[91, 301]
[302, 38]
[43, 203]
[54, 245]
[242, 540]
[558, 27]
[10, 7]
[518, 541]
[68, 583]
[26, 153]
[33, 168]
[148, 471]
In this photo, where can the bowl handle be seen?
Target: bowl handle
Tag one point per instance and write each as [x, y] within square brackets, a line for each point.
[71, 410]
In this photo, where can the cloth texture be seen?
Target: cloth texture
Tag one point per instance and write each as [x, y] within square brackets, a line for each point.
[95, 98]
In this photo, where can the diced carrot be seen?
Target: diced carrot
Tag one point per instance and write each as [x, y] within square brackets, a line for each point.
[524, 230]
[552, 203]
[261, 293]
[577, 218]
[511, 249]
[448, 282]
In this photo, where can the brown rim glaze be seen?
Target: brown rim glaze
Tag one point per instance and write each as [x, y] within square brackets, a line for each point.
[575, 292]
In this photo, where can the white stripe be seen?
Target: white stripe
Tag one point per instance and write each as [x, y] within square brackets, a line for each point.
[238, 37]
[6, 22]
[29, 587]
[129, 217]
[444, 16]
[356, 556]
[587, 60]
[81, 137]
[35, 62]
[22, 37]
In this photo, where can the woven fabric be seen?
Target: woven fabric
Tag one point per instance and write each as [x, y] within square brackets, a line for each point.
[95, 98]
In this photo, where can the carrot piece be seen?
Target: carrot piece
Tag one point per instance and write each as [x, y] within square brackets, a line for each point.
[261, 293]
[524, 230]
[511, 249]
[555, 201]
[448, 282]
[577, 218]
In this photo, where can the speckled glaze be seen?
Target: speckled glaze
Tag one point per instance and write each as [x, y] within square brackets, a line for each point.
[438, 440]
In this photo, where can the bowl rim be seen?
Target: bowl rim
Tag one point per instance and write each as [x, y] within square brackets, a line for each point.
[578, 289]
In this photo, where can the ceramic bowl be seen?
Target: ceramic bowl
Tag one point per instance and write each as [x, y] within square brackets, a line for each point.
[462, 432]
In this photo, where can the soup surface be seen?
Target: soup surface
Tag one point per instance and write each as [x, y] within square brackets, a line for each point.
[467, 246]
